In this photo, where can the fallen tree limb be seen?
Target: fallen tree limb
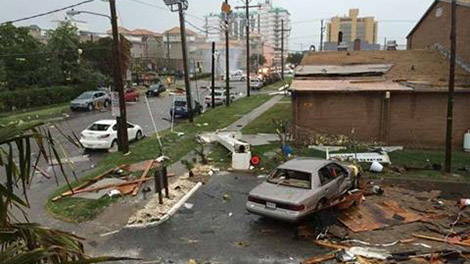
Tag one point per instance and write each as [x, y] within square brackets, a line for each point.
[319, 259]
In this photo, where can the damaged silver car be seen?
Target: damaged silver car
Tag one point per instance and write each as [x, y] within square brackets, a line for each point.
[300, 187]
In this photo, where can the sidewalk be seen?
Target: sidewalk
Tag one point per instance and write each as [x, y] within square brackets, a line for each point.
[246, 119]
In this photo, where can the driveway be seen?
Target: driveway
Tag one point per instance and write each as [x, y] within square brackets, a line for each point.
[214, 230]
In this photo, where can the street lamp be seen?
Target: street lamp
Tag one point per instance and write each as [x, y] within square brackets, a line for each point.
[121, 119]
[180, 6]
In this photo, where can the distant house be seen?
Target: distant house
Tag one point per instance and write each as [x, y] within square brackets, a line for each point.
[394, 97]
[433, 29]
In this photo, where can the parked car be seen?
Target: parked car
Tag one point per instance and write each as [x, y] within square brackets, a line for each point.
[103, 134]
[88, 100]
[300, 187]
[132, 95]
[219, 97]
[155, 90]
[256, 84]
[238, 76]
[180, 107]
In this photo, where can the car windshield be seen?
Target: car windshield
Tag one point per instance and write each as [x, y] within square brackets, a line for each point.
[180, 103]
[291, 178]
[98, 127]
[217, 94]
[87, 95]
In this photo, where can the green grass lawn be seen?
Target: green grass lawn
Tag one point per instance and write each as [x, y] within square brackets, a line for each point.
[264, 123]
[175, 147]
[35, 114]
[275, 86]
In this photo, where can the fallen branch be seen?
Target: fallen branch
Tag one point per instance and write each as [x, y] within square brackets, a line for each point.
[329, 245]
[42, 172]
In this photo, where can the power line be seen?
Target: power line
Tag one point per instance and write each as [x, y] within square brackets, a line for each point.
[163, 8]
[47, 13]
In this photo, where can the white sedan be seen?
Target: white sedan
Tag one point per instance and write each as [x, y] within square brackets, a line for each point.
[103, 135]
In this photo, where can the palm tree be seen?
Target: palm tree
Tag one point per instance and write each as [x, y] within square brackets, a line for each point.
[28, 242]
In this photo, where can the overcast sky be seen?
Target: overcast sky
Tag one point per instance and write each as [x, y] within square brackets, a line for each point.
[396, 17]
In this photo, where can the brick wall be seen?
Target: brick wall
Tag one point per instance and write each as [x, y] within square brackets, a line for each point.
[434, 29]
[414, 119]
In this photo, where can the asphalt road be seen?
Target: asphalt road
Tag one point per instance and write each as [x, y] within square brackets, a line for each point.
[137, 113]
[214, 230]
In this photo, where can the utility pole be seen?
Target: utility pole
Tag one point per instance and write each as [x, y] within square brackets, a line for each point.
[322, 31]
[227, 54]
[213, 75]
[187, 83]
[168, 49]
[282, 49]
[450, 102]
[248, 66]
[123, 141]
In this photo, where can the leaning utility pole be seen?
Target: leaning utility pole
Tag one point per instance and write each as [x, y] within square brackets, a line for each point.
[282, 49]
[185, 62]
[226, 9]
[450, 102]
[123, 141]
[247, 22]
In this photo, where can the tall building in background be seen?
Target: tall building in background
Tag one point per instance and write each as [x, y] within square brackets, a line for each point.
[352, 32]
[265, 24]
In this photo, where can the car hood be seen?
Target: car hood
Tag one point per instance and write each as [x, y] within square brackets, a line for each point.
[81, 101]
[280, 193]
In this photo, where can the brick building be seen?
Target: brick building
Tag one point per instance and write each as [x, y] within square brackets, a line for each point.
[433, 30]
[394, 97]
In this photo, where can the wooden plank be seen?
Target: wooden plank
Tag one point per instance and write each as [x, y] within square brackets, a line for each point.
[442, 240]
[102, 187]
[330, 245]
[147, 169]
[319, 259]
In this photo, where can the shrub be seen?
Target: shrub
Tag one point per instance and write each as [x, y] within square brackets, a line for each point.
[36, 97]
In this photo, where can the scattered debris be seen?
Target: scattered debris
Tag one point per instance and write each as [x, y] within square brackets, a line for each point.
[361, 157]
[372, 216]
[188, 205]
[243, 244]
[376, 167]
[71, 160]
[371, 253]
[326, 148]
[154, 211]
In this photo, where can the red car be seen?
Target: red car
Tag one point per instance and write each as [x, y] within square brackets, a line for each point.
[132, 95]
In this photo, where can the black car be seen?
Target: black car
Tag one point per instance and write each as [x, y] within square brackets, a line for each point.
[155, 89]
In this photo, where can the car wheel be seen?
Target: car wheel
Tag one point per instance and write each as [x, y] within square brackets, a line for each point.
[320, 205]
[90, 107]
[242, 79]
[114, 146]
[106, 104]
[138, 135]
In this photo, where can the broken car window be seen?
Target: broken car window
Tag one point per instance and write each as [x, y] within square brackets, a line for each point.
[291, 178]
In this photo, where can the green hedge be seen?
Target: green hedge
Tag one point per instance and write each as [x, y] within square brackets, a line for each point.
[37, 97]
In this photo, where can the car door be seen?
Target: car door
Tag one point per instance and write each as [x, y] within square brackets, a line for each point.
[340, 174]
[328, 183]
[131, 131]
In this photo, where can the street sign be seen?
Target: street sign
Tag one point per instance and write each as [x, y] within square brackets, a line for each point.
[226, 8]
[115, 109]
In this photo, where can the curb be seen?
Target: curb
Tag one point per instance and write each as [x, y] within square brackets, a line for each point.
[170, 213]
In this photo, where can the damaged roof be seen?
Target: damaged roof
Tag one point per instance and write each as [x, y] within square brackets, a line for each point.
[408, 65]
[346, 86]
[343, 70]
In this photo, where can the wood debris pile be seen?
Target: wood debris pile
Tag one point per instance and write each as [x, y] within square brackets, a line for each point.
[123, 180]
[400, 225]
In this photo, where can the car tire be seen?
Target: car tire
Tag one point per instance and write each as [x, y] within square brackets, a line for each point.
[320, 205]
[90, 107]
[114, 146]
[138, 135]
[242, 79]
